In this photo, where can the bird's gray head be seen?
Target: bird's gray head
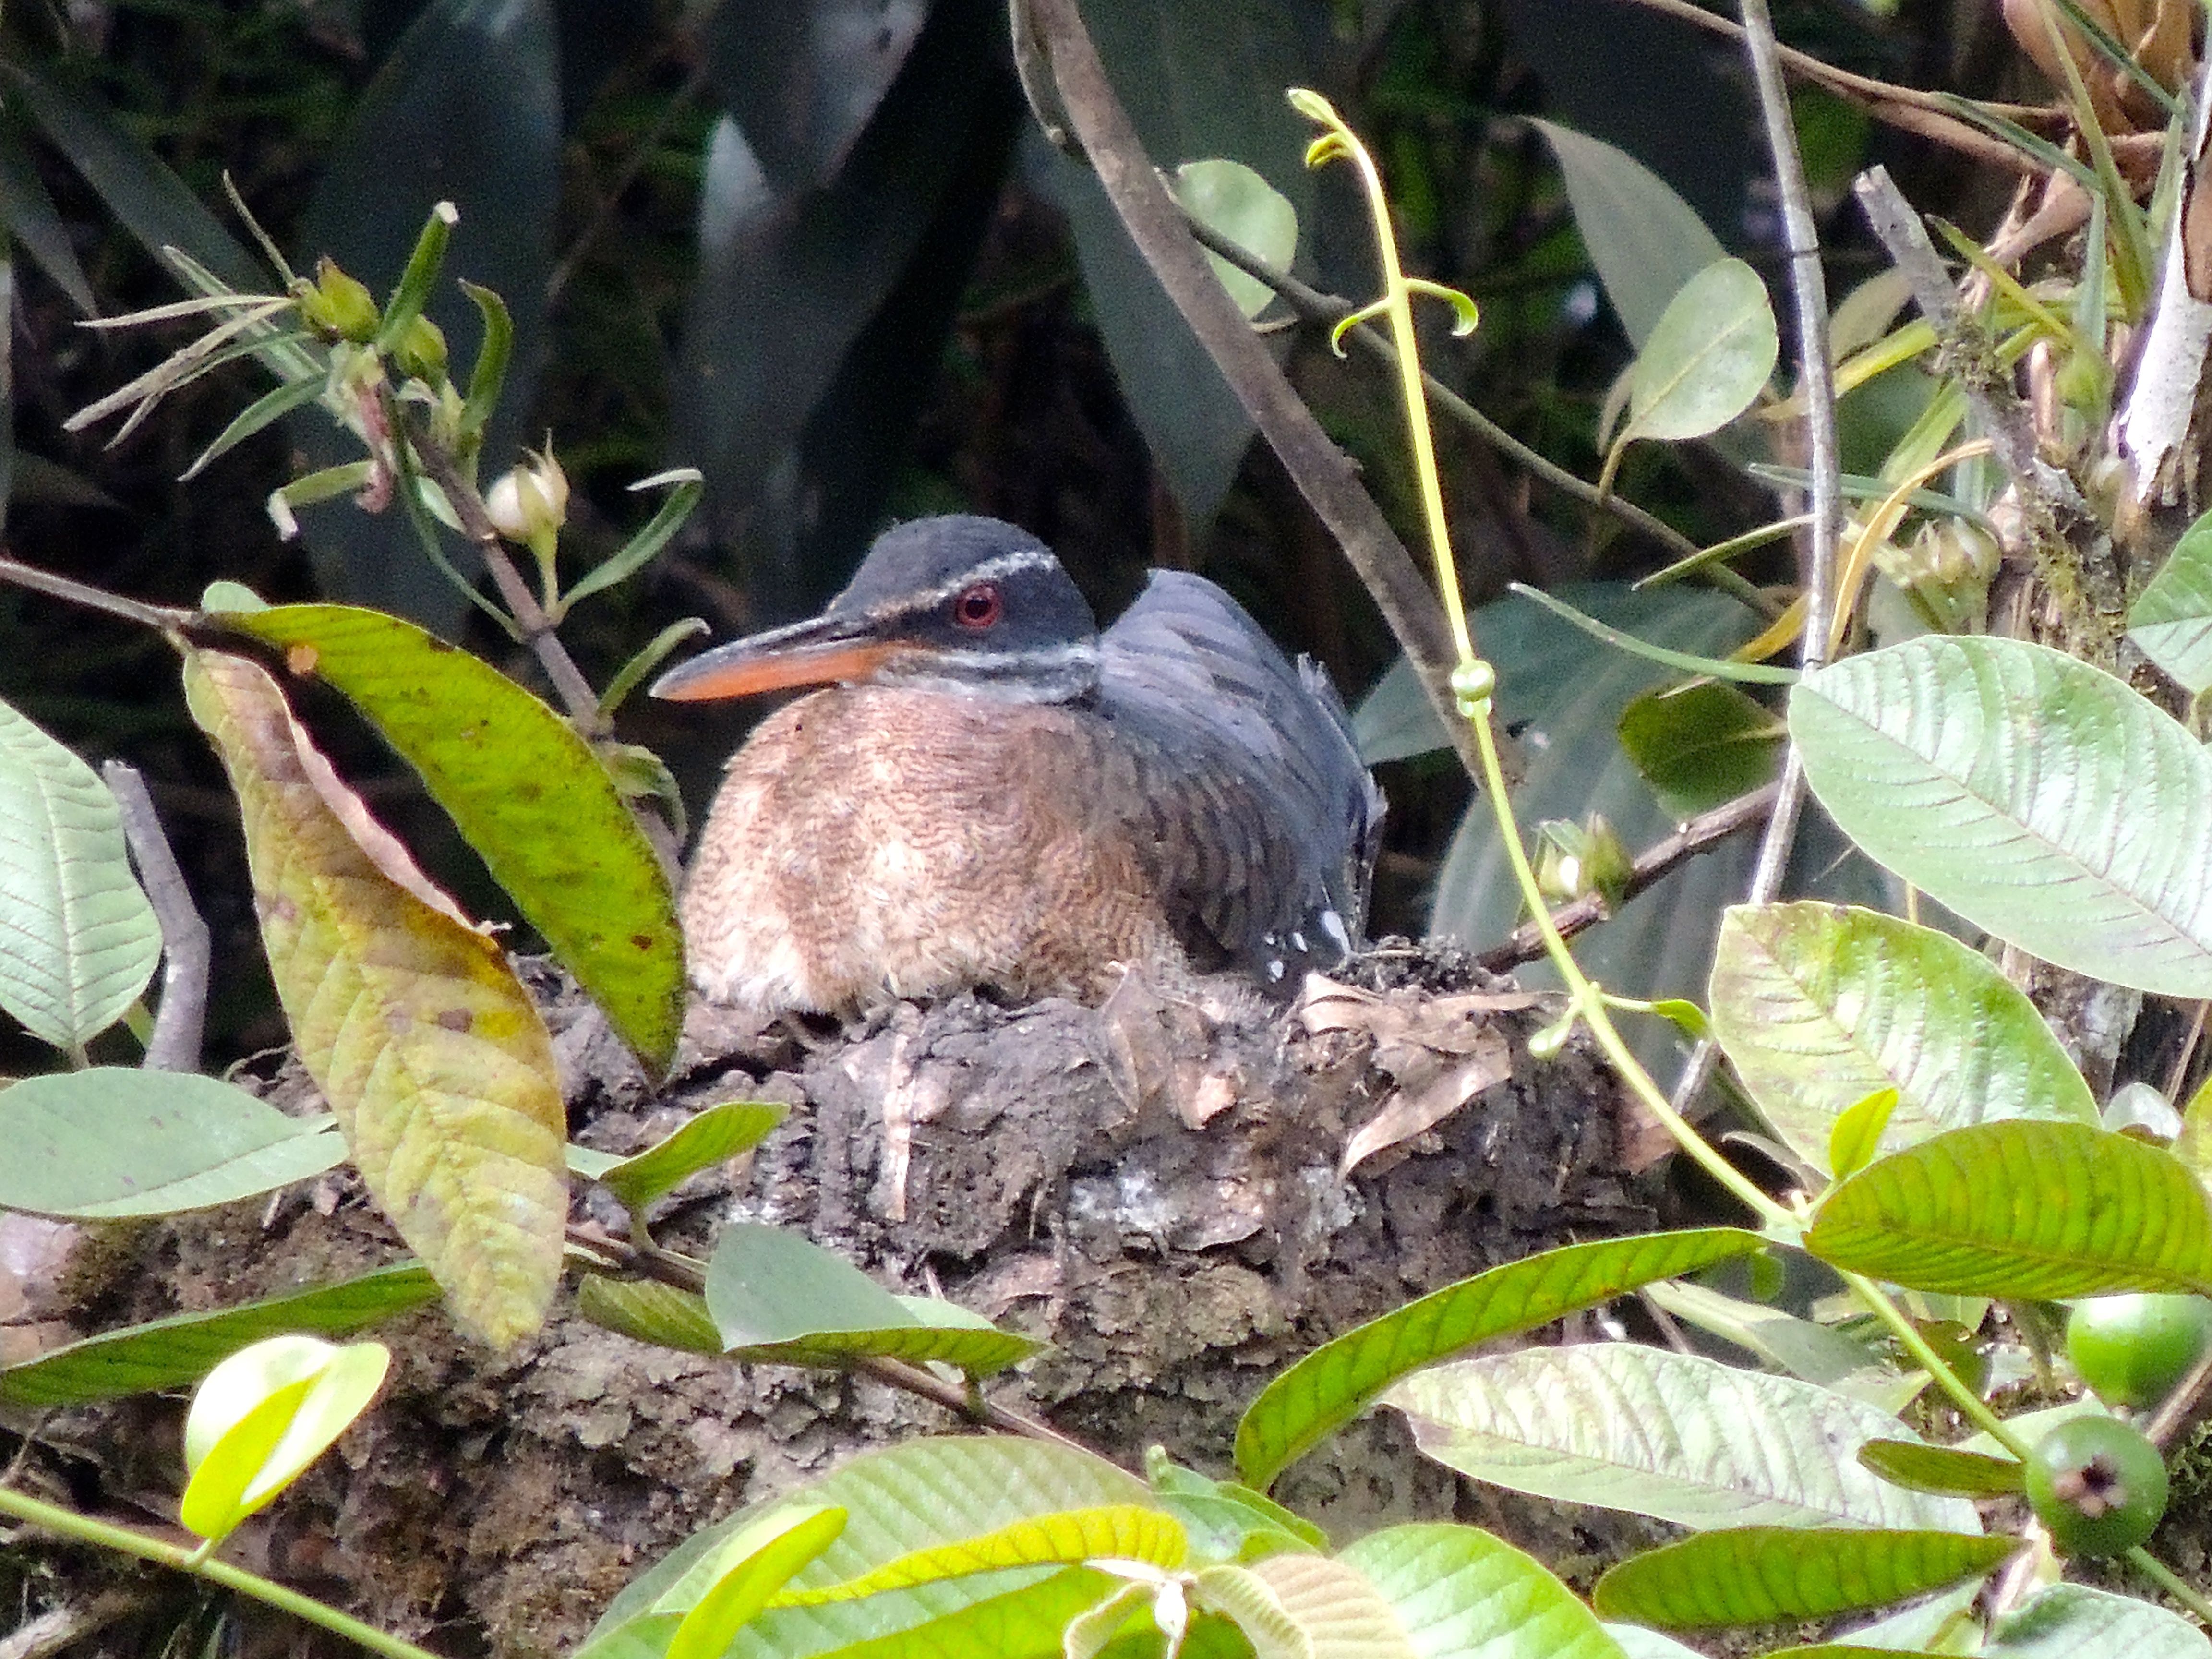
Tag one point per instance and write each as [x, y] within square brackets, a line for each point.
[959, 603]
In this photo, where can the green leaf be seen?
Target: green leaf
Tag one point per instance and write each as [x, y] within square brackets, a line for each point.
[1750, 673]
[82, 941]
[263, 1415]
[685, 485]
[2071, 1621]
[1129, 1532]
[146, 197]
[1944, 1470]
[1700, 746]
[2021, 1209]
[1670, 1435]
[524, 790]
[1461, 1594]
[1226, 1522]
[1814, 1353]
[648, 1311]
[1993, 773]
[1709, 357]
[1645, 240]
[908, 1498]
[1757, 1575]
[1857, 1134]
[1820, 1007]
[271, 407]
[112, 1142]
[431, 1053]
[1302, 1406]
[1233, 201]
[777, 1297]
[167, 1353]
[2171, 620]
[718, 1133]
[755, 1564]
[1331, 1609]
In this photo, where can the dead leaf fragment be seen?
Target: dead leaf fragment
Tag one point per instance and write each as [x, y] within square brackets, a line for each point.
[431, 1055]
[1440, 1051]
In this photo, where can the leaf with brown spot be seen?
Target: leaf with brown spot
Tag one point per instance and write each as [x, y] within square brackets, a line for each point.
[432, 1056]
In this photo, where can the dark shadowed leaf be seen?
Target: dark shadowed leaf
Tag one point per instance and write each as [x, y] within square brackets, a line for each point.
[1338, 1381]
[2021, 1208]
[29, 216]
[1756, 1574]
[1819, 1006]
[1701, 745]
[112, 1142]
[1987, 772]
[466, 109]
[168, 1354]
[525, 790]
[1644, 240]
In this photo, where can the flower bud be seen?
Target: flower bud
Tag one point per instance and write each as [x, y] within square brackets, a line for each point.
[421, 352]
[530, 502]
[336, 305]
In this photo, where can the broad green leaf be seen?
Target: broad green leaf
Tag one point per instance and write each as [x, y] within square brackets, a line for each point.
[1700, 746]
[1644, 240]
[430, 1052]
[1757, 1575]
[1329, 1387]
[1226, 1521]
[1670, 1435]
[2074, 1621]
[1943, 1622]
[167, 1353]
[1819, 1006]
[1129, 1532]
[649, 1311]
[718, 1133]
[1708, 357]
[755, 1564]
[2171, 620]
[2021, 1209]
[265, 1413]
[112, 1142]
[524, 790]
[777, 1297]
[1332, 1604]
[2034, 794]
[901, 1499]
[1944, 1470]
[81, 939]
[1233, 201]
[1461, 1594]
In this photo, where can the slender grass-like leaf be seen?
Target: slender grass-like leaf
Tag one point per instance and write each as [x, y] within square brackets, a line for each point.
[1720, 669]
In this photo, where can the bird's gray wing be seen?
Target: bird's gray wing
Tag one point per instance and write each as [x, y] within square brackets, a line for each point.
[1263, 821]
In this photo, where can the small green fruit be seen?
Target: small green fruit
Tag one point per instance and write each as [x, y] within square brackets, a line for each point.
[2097, 1484]
[2133, 1350]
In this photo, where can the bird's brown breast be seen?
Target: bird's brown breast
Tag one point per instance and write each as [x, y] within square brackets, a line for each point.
[872, 843]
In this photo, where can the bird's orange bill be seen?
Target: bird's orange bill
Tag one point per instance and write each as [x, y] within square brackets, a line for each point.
[737, 671]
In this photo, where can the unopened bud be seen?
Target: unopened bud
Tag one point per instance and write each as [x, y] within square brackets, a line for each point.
[336, 305]
[421, 352]
[530, 502]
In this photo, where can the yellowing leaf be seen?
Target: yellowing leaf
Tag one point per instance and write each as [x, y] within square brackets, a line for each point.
[433, 1058]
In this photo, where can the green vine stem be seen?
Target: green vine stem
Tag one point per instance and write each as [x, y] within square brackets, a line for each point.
[67, 1523]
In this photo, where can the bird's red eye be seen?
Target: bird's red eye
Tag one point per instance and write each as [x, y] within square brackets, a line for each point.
[978, 607]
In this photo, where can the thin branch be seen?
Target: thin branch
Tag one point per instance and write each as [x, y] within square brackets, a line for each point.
[1322, 472]
[181, 1020]
[160, 616]
[1816, 380]
[1700, 834]
[1312, 305]
[624, 1257]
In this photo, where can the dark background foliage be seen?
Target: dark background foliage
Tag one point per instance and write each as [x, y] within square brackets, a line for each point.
[821, 251]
